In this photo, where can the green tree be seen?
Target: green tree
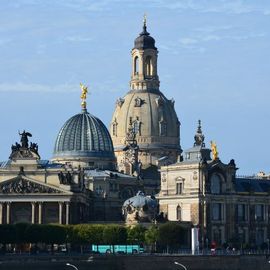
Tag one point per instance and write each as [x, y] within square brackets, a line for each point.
[114, 234]
[97, 234]
[135, 235]
[52, 234]
[171, 235]
[151, 237]
[32, 233]
[86, 234]
[7, 235]
[20, 232]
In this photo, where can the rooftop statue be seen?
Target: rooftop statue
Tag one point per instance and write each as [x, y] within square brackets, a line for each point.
[24, 138]
[214, 150]
[23, 150]
[83, 95]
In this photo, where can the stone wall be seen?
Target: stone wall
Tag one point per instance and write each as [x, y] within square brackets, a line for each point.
[117, 262]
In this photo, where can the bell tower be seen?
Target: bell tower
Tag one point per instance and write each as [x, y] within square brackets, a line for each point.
[144, 62]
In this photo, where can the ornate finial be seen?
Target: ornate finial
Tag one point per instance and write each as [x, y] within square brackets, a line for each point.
[214, 150]
[199, 130]
[144, 23]
[83, 95]
[144, 19]
[199, 137]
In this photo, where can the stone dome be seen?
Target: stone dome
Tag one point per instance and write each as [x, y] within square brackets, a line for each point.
[84, 138]
[155, 119]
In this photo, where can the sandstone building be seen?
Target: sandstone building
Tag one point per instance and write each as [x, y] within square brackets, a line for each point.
[93, 172]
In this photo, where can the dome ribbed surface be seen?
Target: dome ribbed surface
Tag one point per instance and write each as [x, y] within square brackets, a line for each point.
[83, 135]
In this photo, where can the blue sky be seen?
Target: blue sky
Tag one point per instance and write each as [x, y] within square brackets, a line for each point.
[214, 60]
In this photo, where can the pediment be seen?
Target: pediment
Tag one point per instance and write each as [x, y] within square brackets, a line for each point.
[24, 185]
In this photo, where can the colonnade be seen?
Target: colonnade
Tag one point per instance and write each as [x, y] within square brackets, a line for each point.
[5, 207]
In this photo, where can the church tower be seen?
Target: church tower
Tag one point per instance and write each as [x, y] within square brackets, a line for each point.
[148, 114]
[144, 58]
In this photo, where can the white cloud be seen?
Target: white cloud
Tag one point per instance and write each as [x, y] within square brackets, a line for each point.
[217, 6]
[77, 39]
[31, 87]
[188, 41]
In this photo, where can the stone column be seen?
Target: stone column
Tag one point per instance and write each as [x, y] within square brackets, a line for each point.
[1, 213]
[67, 212]
[60, 212]
[39, 212]
[33, 204]
[8, 212]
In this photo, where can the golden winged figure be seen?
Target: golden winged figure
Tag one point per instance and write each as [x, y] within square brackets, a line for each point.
[84, 91]
[214, 150]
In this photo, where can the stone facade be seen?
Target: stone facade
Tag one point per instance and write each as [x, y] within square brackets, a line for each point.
[208, 193]
[36, 191]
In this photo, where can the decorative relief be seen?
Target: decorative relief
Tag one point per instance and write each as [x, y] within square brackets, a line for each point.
[159, 101]
[22, 186]
[172, 102]
[120, 102]
[195, 175]
[164, 177]
[138, 102]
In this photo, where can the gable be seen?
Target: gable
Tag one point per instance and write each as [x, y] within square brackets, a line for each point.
[23, 185]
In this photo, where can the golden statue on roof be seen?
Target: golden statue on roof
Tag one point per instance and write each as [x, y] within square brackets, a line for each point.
[83, 95]
[214, 150]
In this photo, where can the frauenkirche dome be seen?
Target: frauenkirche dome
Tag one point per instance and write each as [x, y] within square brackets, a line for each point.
[147, 112]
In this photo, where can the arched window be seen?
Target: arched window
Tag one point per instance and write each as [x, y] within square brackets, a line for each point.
[178, 212]
[215, 184]
[162, 128]
[136, 65]
[148, 66]
[114, 127]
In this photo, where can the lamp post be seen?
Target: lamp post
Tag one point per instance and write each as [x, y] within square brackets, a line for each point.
[177, 263]
[267, 245]
[71, 265]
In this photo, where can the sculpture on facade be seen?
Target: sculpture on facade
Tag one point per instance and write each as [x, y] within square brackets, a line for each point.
[24, 138]
[65, 179]
[131, 155]
[199, 137]
[23, 150]
[23, 186]
[83, 95]
[214, 150]
[140, 208]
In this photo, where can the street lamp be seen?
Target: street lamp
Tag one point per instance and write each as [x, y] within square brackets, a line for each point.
[71, 265]
[177, 263]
